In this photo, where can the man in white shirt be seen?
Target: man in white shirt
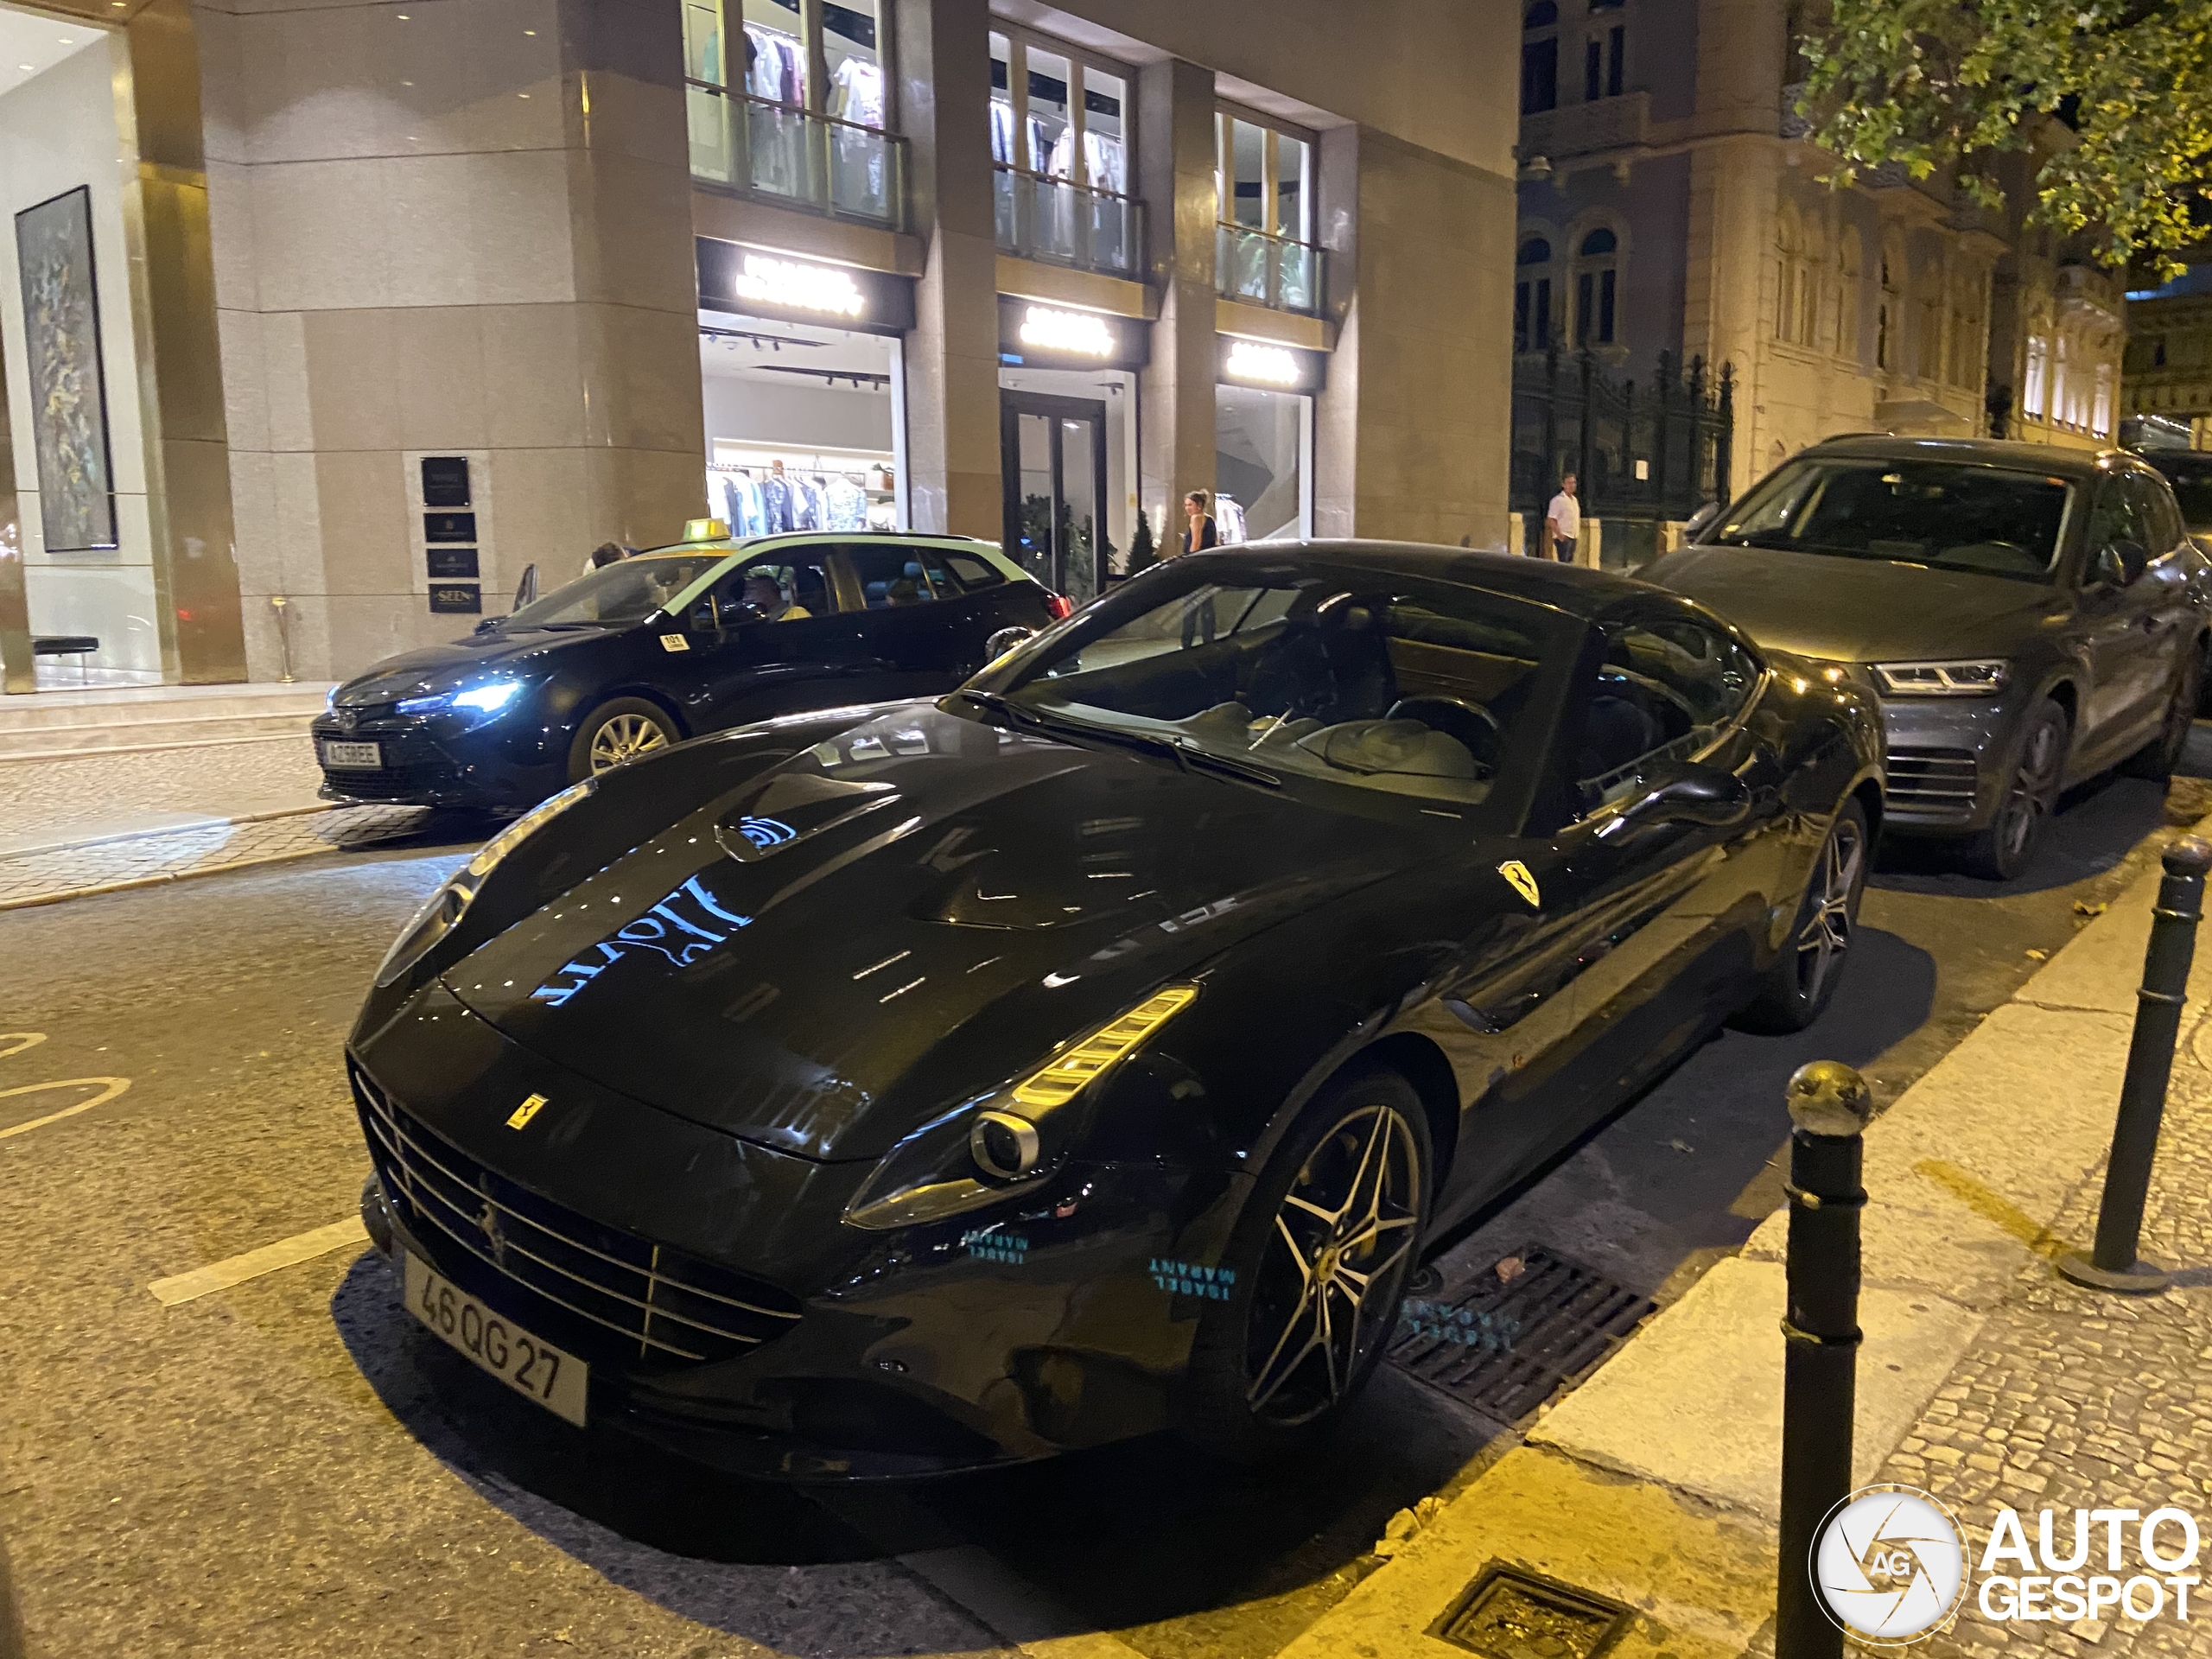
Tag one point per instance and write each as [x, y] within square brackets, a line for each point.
[1563, 521]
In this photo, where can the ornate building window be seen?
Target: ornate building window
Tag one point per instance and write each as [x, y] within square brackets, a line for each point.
[2034, 382]
[1888, 309]
[1532, 296]
[1540, 58]
[1797, 288]
[2101, 408]
[1604, 69]
[1851, 277]
[1596, 287]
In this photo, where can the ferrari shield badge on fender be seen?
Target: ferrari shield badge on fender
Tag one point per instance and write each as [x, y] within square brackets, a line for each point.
[519, 1118]
[1518, 877]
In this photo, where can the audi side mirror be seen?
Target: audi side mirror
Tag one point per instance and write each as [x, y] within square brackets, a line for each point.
[2120, 564]
[1005, 640]
[1691, 794]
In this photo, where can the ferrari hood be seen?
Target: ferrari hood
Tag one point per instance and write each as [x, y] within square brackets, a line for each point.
[1856, 610]
[830, 953]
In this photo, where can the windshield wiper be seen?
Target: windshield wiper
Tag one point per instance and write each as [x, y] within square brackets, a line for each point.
[1157, 743]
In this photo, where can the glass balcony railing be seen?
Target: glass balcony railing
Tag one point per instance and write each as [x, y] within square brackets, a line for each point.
[812, 161]
[1278, 271]
[1064, 223]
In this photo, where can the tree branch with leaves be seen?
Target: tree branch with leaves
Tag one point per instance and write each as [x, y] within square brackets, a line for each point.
[1942, 85]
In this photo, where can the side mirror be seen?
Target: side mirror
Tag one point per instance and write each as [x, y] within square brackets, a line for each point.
[1698, 520]
[526, 590]
[1691, 794]
[1005, 640]
[2120, 563]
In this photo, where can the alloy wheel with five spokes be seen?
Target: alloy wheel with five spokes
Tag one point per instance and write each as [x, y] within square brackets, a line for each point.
[1825, 935]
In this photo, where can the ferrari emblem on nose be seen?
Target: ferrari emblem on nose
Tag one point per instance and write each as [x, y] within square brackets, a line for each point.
[1518, 877]
[519, 1119]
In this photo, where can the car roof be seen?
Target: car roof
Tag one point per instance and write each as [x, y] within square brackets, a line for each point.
[1589, 595]
[2048, 459]
[808, 537]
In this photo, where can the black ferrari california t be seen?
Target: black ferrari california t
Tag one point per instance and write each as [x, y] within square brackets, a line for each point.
[1093, 1051]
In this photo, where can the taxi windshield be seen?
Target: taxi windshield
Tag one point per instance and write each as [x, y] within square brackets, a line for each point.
[616, 595]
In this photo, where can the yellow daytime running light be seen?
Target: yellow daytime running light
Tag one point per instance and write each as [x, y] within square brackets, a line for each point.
[1064, 1077]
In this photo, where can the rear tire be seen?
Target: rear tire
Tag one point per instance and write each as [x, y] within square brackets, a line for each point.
[1321, 1254]
[619, 730]
[2007, 846]
[2158, 759]
[1802, 979]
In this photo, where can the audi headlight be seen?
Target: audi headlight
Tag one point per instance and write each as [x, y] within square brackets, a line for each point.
[445, 907]
[1974, 676]
[1010, 1141]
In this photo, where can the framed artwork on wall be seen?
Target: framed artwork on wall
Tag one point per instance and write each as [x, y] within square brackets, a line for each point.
[62, 330]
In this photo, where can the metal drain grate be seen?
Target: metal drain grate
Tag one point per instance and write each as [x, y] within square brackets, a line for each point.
[1503, 1346]
[1509, 1614]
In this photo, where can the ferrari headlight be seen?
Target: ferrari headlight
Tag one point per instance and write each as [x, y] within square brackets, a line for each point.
[1978, 676]
[450, 902]
[1010, 1141]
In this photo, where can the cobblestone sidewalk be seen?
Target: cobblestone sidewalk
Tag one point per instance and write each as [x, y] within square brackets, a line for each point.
[2073, 1400]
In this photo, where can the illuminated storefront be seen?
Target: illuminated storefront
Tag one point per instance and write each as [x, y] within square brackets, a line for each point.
[1068, 437]
[1263, 440]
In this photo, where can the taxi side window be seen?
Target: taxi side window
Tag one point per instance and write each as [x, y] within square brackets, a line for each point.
[972, 572]
[802, 586]
[893, 576]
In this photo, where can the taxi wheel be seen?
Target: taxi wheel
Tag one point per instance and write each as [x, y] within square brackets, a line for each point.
[618, 731]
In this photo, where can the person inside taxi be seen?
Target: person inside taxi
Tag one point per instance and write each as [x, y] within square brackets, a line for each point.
[762, 594]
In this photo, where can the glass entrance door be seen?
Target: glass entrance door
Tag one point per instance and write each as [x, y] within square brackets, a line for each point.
[1054, 460]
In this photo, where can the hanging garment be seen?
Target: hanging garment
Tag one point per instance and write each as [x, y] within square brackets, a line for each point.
[806, 504]
[860, 181]
[746, 516]
[776, 505]
[845, 507]
[1001, 132]
[1231, 517]
[777, 136]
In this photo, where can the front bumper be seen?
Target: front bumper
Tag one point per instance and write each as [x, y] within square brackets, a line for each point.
[429, 762]
[1947, 761]
[726, 1312]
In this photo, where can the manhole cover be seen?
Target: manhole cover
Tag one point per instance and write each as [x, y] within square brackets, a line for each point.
[1509, 1614]
[1504, 1345]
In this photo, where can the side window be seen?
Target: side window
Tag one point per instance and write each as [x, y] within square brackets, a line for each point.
[790, 587]
[2155, 513]
[1664, 690]
[972, 572]
[890, 574]
[2113, 518]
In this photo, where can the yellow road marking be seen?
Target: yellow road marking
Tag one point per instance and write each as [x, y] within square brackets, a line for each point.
[1993, 1207]
[21, 1040]
[285, 1253]
[109, 1089]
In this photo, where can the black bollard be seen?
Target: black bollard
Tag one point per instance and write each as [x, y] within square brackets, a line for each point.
[2112, 1263]
[1829, 1105]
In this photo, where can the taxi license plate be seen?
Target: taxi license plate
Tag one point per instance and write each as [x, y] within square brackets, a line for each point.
[528, 1364]
[367, 755]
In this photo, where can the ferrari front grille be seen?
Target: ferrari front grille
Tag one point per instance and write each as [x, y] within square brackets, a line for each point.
[612, 1295]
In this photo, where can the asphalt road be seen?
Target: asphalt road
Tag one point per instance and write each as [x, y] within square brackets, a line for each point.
[289, 1467]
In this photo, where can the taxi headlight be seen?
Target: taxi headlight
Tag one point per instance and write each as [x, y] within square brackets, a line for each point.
[1008, 1140]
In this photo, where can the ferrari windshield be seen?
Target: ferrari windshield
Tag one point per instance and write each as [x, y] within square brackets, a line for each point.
[1416, 686]
[615, 595]
[1953, 515]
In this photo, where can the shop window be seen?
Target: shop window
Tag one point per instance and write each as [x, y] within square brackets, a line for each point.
[1263, 175]
[1597, 276]
[794, 103]
[1263, 446]
[1540, 58]
[1061, 130]
[1532, 296]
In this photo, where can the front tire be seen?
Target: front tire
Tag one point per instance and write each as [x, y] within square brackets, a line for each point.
[2005, 849]
[619, 730]
[1321, 1253]
[1803, 981]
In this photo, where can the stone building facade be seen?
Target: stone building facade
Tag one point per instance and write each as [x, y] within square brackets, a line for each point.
[395, 298]
[1671, 200]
